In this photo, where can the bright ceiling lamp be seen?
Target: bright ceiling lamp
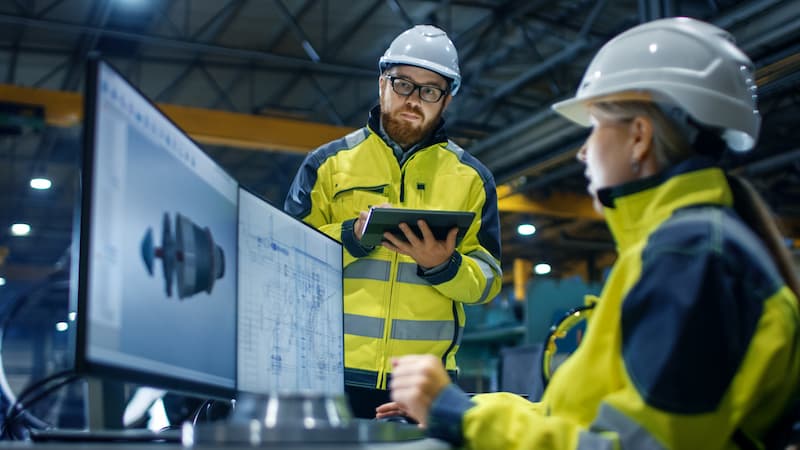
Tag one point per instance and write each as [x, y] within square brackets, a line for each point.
[526, 229]
[541, 269]
[20, 229]
[41, 183]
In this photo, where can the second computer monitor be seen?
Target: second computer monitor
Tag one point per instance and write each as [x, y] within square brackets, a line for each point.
[290, 318]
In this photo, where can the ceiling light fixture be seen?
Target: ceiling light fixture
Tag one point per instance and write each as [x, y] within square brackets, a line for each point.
[20, 229]
[41, 183]
[526, 229]
[541, 269]
[2, 281]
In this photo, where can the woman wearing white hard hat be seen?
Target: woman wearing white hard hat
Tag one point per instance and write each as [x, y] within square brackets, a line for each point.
[694, 341]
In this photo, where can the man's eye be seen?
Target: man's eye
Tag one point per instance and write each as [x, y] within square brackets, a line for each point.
[427, 90]
[404, 85]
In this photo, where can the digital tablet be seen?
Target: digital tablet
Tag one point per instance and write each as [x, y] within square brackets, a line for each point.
[381, 220]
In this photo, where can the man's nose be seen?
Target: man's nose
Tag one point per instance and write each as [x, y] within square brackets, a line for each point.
[416, 95]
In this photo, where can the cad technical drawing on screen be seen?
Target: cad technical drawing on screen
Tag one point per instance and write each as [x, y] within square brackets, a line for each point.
[290, 303]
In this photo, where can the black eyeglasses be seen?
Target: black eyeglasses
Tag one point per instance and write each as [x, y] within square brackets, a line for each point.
[401, 86]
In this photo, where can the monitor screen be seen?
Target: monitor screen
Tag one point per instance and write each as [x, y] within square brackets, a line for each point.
[290, 303]
[157, 282]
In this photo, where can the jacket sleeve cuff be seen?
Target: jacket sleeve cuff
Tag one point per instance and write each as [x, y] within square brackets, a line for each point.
[350, 243]
[447, 413]
[443, 273]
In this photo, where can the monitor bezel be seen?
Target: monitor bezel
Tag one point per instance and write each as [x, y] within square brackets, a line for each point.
[83, 364]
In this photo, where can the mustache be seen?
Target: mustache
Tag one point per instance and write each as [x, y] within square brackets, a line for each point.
[413, 109]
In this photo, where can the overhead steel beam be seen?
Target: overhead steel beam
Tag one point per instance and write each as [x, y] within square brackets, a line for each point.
[395, 6]
[279, 35]
[745, 12]
[581, 42]
[97, 18]
[65, 109]
[298, 31]
[219, 22]
[340, 41]
[222, 94]
[555, 205]
[512, 141]
[208, 32]
[254, 55]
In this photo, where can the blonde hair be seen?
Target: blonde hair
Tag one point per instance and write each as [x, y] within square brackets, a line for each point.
[671, 146]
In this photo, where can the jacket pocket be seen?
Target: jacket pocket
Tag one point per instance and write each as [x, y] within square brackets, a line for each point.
[348, 202]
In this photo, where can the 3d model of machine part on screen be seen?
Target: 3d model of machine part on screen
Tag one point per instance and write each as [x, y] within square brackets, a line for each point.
[190, 255]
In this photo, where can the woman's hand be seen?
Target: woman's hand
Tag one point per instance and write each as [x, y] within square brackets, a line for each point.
[416, 382]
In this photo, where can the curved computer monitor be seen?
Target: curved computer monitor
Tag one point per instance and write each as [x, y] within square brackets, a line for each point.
[157, 272]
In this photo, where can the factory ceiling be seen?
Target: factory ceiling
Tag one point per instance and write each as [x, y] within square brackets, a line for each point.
[259, 83]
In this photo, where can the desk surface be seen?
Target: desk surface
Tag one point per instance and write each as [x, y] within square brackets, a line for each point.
[422, 444]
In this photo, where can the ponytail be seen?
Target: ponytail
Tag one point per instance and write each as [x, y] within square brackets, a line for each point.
[754, 211]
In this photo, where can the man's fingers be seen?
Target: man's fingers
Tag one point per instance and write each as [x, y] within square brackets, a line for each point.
[451, 238]
[427, 233]
[411, 237]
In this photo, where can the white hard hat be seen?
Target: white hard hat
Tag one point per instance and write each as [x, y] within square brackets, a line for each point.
[428, 47]
[678, 61]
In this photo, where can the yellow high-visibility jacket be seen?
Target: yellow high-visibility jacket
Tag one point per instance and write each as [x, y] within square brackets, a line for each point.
[391, 307]
[693, 343]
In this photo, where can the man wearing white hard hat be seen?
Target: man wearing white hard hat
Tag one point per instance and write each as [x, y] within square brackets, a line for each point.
[403, 297]
[694, 342]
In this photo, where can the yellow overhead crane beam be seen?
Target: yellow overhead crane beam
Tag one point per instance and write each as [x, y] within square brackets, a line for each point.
[555, 205]
[65, 109]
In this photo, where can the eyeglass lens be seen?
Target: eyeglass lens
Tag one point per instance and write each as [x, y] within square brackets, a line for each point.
[430, 94]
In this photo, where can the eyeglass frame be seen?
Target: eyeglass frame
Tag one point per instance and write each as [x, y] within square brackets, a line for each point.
[416, 87]
[558, 331]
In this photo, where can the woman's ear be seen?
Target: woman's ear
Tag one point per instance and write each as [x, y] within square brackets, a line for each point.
[642, 153]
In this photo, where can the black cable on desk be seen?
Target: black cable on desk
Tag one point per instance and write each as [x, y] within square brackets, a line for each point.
[13, 430]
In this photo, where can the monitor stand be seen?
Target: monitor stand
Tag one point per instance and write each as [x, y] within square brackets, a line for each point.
[104, 405]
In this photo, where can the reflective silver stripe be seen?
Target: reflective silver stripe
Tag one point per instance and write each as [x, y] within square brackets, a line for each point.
[407, 273]
[363, 326]
[487, 259]
[371, 269]
[594, 441]
[356, 137]
[460, 335]
[629, 433]
[423, 330]
[486, 268]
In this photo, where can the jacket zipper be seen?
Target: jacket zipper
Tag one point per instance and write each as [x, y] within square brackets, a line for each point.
[455, 335]
[387, 330]
[402, 184]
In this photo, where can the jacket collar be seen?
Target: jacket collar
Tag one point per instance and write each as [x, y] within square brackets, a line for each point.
[632, 210]
[374, 124]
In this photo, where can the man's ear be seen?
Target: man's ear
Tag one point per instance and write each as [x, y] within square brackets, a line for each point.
[446, 101]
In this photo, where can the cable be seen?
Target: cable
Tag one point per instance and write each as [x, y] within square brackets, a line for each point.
[54, 283]
[37, 392]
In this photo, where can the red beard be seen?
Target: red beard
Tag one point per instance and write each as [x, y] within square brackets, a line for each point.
[403, 132]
